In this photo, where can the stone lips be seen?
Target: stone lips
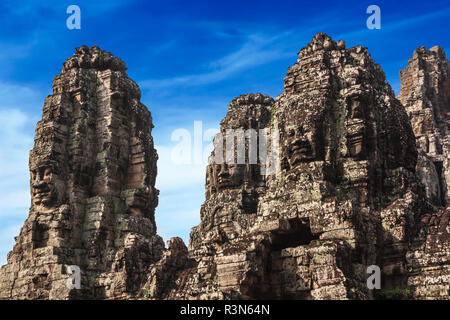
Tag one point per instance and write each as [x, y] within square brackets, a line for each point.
[353, 189]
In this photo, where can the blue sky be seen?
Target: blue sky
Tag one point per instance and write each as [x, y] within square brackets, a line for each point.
[190, 59]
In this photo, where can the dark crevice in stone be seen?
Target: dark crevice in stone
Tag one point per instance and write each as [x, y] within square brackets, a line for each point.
[299, 233]
[40, 236]
[439, 169]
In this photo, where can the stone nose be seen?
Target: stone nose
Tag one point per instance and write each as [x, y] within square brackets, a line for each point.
[299, 134]
[300, 138]
[223, 174]
[223, 170]
[38, 183]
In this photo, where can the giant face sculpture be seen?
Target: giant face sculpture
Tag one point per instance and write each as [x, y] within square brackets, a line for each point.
[245, 174]
[302, 138]
[140, 201]
[355, 129]
[42, 185]
[300, 146]
[228, 176]
[225, 176]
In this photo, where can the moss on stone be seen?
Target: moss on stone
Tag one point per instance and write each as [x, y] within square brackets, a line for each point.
[395, 294]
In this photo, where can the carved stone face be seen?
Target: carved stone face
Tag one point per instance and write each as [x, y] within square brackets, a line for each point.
[355, 129]
[140, 202]
[228, 176]
[300, 145]
[42, 186]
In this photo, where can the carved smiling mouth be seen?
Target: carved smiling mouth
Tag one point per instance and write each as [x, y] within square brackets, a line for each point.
[141, 200]
[223, 182]
[355, 138]
[42, 195]
[301, 149]
[41, 192]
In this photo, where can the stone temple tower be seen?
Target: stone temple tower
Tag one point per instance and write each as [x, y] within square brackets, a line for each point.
[346, 195]
[93, 170]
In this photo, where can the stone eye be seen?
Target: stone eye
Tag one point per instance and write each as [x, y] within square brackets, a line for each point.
[291, 132]
[47, 174]
[301, 131]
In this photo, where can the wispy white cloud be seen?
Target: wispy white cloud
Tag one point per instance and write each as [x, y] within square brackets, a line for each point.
[414, 20]
[17, 96]
[178, 213]
[14, 147]
[7, 235]
[12, 51]
[16, 141]
[181, 195]
[259, 45]
[396, 22]
[257, 50]
[175, 176]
